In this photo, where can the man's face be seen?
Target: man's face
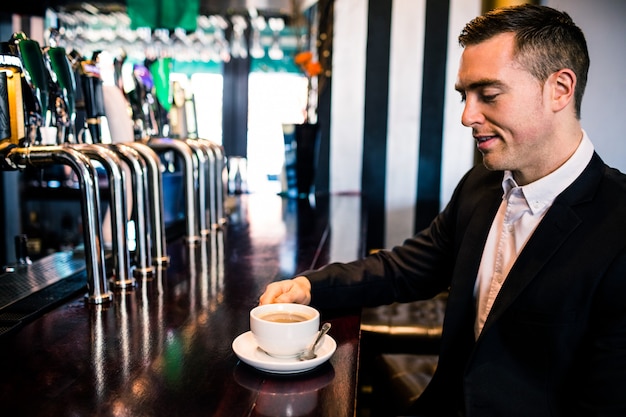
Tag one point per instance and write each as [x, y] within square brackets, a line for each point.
[507, 109]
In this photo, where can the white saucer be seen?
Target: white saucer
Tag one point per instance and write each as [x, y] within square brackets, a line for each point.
[246, 349]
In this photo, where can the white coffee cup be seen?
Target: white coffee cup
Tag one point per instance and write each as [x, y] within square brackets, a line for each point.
[284, 330]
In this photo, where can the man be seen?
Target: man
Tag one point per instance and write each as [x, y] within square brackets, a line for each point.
[532, 245]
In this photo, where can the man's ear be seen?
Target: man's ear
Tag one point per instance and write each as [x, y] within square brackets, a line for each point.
[562, 85]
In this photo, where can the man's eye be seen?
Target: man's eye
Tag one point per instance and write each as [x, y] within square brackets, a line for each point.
[489, 98]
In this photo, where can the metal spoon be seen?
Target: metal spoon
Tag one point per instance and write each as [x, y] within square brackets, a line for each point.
[309, 353]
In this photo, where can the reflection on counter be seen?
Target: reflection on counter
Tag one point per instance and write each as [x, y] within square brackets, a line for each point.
[149, 353]
[293, 396]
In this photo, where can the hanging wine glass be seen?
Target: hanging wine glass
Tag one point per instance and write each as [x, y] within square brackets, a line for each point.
[238, 43]
[258, 25]
[276, 24]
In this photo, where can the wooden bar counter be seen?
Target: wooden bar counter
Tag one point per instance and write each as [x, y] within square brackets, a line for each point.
[164, 348]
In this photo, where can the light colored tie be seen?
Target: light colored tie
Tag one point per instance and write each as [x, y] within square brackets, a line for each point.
[511, 239]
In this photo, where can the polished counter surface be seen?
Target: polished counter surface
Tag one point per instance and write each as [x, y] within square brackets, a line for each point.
[164, 347]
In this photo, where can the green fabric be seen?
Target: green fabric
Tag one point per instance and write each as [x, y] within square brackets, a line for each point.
[160, 70]
[180, 14]
[143, 13]
[163, 14]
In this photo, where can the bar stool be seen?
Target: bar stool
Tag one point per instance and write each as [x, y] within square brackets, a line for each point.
[400, 344]
[403, 378]
[405, 327]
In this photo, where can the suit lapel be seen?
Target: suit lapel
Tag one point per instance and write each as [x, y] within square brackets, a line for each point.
[559, 222]
[553, 230]
[475, 236]
[461, 298]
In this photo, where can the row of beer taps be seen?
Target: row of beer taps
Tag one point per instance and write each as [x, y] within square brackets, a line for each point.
[43, 90]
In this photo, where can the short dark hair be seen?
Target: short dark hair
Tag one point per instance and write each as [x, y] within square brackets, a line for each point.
[547, 40]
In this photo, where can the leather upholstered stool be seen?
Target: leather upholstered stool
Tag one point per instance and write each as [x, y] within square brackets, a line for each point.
[417, 319]
[399, 347]
[403, 378]
[413, 327]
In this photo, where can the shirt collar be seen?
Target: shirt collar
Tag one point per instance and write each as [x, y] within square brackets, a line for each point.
[540, 194]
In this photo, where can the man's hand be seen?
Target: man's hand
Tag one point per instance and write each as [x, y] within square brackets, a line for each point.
[296, 290]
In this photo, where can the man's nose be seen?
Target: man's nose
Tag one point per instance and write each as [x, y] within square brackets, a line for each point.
[471, 114]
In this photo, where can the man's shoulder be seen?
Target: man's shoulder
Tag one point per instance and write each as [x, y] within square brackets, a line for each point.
[600, 191]
[614, 181]
[615, 177]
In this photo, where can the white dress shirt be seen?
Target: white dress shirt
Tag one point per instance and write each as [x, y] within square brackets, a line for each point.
[520, 212]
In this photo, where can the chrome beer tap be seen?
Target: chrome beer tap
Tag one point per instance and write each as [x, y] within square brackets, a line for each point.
[121, 268]
[190, 169]
[155, 203]
[203, 209]
[18, 152]
[140, 191]
[41, 156]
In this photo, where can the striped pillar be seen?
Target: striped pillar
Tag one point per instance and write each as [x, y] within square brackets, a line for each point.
[395, 132]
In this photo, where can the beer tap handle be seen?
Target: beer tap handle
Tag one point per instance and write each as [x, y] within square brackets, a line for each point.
[21, 250]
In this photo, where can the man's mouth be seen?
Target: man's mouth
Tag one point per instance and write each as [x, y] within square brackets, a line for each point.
[483, 141]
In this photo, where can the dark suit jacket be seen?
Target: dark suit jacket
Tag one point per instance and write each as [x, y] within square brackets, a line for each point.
[554, 343]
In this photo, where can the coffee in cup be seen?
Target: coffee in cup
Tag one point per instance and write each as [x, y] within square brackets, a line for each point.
[284, 329]
[285, 317]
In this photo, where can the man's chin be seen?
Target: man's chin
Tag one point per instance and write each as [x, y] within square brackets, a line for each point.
[492, 165]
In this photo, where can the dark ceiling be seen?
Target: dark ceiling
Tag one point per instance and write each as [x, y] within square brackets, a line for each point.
[207, 7]
[38, 7]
